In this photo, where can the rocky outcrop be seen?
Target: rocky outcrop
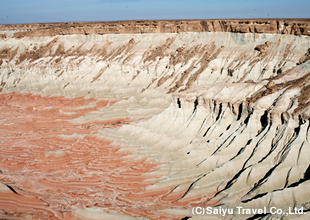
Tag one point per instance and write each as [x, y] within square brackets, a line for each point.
[263, 48]
[151, 124]
[304, 58]
[283, 26]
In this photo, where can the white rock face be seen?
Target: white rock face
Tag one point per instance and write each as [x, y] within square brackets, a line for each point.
[226, 122]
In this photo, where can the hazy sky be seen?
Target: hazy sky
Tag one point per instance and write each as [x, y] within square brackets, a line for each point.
[39, 11]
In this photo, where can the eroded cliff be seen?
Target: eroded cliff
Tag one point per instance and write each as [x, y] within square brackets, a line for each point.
[280, 26]
[148, 119]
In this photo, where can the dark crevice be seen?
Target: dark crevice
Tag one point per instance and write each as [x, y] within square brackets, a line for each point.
[239, 112]
[12, 189]
[263, 122]
[287, 177]
[264, 119]
[286, 149]
[246, 121]
[250, 112]
[249, 142]
[306, 177]
[258, 216]
[299, 151]
[288, 146]
[297, 130]
[274, 143]
[291, 104]
[191, 186]
[227, 127]
[257, 145]
[202, 125]
[206, 132]
[214, 106]
[262, 180]
[231, 182]
[223, 144]
[195, 104]
[308, 127]
[234, 179]
[282, 119]
[201, 162]
[220, 112]
[260, 141]
[179, 102]
[239, 152]
[267, 175]
[231, 140]
[255, 197]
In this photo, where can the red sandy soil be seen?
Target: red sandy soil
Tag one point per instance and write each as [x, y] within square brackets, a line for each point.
[52, 172]
[52, 175]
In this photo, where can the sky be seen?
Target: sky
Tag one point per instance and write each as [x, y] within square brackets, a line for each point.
[45, 11]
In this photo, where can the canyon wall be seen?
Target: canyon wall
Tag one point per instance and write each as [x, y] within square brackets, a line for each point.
[150, 119]
[279, 26]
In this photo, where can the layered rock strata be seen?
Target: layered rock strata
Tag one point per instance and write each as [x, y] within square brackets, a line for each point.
[280, 26]
[153, 118]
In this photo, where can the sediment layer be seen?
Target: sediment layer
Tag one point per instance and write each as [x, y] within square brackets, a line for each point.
[275, 26]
